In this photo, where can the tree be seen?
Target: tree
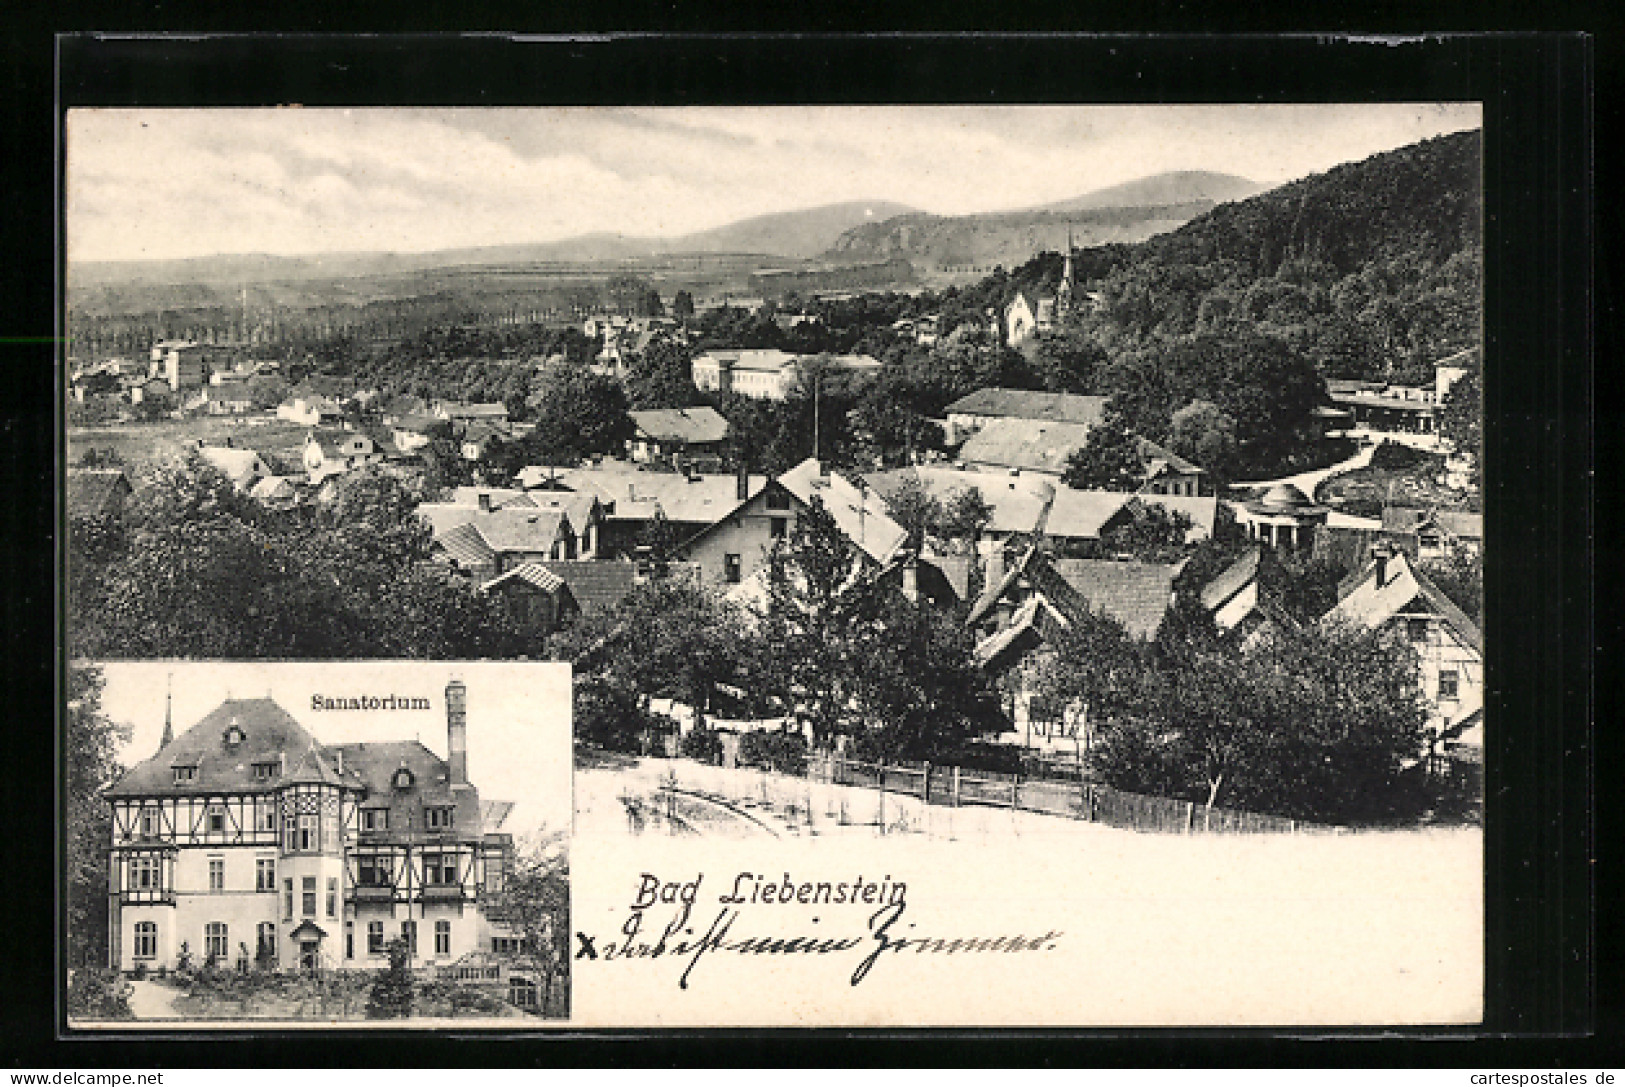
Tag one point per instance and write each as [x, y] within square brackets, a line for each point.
[965, 516]
[1462, 420]
[1149, 533]
[1459, 574]
[914, 507]
[91, 742]
[1110, 459]
[577, 413]
[662, 377]
[534, 905]
[393, 993]
[1201, 432]
[682, 305]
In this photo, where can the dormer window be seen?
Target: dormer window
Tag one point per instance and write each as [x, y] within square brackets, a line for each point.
[185, 774]
[267, 771]
[374, 818]
[234, 735]
[403, 778]
[436, 818]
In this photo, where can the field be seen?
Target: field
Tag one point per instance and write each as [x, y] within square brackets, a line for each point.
[142, 444]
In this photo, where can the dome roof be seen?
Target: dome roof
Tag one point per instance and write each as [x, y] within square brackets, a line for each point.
[1285, 496]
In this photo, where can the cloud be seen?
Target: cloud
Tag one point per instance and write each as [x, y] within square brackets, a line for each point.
[190, 182]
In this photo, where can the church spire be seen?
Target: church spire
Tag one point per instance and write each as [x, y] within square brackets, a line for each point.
[169, 724]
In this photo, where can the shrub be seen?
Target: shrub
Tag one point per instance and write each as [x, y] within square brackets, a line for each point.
[704, 745]
[140, 972]
[394, 992]
[99, 994]
[1394, 456]
[783, 752]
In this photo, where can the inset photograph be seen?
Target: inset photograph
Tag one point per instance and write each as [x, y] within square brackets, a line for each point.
[317, 843]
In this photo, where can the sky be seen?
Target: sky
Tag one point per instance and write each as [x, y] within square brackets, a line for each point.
[153, 184]
[519, 745]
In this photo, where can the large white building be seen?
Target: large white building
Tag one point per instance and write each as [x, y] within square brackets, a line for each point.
[766, 374]
[246, 840]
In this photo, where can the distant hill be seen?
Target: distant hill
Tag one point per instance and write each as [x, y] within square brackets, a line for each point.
[792, 234]
[1160, 190]
[1126, 213]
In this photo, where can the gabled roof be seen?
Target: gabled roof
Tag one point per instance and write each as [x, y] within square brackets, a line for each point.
[464, 545]
[466, 410]
[96, 491]
[1231, 580]
[1025, 404]
[1159, 457]
[373, 767]
[1083, 514]
[578, 508]
[594, 584]
[1369, 604]
[1458, 523]
[1025, 444]
[859, 513]
[1017, 502]
[270, 734]
[697, 499]
[272, 488]
[1202, 511]
[519, 529]
[1136, 594]
[501, 498]
[533, 574]
[689, 425]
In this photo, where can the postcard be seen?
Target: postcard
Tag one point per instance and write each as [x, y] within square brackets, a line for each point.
[851, 566]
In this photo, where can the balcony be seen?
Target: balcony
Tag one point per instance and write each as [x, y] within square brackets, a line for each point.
[147, 897]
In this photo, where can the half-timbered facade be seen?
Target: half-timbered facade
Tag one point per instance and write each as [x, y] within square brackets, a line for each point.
[246, 840]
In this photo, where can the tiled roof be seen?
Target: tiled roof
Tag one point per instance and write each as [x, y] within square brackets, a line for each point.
[374, 765]
[1201, 511]
[95, 491]
[1467, 526]
[1457, 523]
[1025, 444]
[696, 500]
[770, 360]
[594, 584]
[269, 733]
[1231, 580]
[691, 425]
[501, 498]
[465, 546]
[531, 573]
[519, 529]
[1082, 514]
[1157, 456]
[1136, 594]
[860, 514]
[272, 488]
[456, 410]
[1017, 501]
[1023, 404]
[578, 508]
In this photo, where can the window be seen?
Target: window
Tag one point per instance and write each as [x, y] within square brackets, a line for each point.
[409, 935]
[1449, 685]
[216, 942]
[265, 939]
[216, 819]
[144, 874]
[267, 819]
[440, 869]
[777, 499]
[265, 771]
[302, 834]
[372, 872]
[442, 937]
[265, 874]
[521, 992]
[287, 898]
[332, 897]
[184, 774]
[403, 778]
[731, 570]
[217, 873]
[436, 818]
[349, 939]
[778, 526]
[146, 940]
[307, 896]
[375, 819]
[149, 822]
[1417, 630]
[375, 937]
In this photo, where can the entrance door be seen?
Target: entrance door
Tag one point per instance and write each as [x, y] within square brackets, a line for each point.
[309, 958]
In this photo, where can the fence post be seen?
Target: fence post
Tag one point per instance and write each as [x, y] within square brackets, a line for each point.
[1190, 816]
[925, 785]
[956, 787]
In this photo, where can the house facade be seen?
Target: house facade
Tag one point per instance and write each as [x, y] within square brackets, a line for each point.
[765, 374]
[246, 840]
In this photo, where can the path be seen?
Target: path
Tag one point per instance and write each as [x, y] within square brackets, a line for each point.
[150, 1000]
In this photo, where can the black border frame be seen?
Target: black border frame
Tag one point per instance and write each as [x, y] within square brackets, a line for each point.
[1536, 90]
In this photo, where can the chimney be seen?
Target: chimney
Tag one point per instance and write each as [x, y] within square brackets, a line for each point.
[338, 759]
[485, 502]
[742, 483]
[911, 580]
[457, 731]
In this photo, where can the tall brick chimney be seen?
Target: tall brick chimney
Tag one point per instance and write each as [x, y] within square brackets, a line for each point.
[457, 731]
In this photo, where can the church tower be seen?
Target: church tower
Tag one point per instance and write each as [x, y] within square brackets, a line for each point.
[1063, 293]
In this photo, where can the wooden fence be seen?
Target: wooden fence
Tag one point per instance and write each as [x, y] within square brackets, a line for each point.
[1054, 795]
